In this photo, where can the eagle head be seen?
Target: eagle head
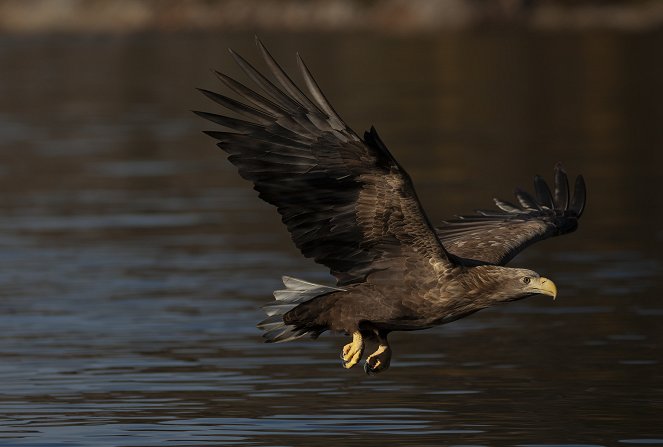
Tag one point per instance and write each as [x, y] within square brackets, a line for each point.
[521, 283]
[501, 284]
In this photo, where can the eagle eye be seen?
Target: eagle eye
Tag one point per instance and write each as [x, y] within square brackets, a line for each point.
[526, 280]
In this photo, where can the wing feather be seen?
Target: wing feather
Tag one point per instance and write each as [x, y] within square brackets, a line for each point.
[495, 237]
[579, 197]
[284, 79]
[262, 117]
[345, 200]
[561, 188]
[334, 120]
[286, 102]
[526, 200]
[543, 194]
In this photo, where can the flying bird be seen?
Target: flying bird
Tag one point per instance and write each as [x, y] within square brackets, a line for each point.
[350, 206]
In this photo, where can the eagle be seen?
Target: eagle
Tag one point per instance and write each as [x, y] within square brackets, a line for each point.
[350, 206]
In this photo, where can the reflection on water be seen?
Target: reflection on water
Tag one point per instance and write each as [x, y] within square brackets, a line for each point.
[133, 259]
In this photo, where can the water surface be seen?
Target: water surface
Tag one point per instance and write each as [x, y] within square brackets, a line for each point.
[133, 259]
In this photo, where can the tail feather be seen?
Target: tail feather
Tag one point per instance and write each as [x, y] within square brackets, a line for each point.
[296, 292]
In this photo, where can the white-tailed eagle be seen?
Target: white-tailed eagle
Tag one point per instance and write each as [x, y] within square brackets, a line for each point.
[350, 206]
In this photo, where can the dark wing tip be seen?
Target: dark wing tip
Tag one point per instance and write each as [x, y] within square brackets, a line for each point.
[559, 199]
[561, 194]
[517, 225]
[506, 206]
[209, 94]
[526, 200]
[579, 196]
[543, 194]
[371, 134]
[210, 116]
[261, 46]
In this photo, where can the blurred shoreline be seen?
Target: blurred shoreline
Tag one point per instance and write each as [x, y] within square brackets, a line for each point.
[383, 16]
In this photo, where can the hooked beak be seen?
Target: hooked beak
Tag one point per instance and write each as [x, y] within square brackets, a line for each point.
[545, 286]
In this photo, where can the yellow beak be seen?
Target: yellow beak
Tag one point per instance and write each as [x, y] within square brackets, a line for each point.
[545, 286]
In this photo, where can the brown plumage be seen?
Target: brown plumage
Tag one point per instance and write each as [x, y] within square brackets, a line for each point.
[350, 206]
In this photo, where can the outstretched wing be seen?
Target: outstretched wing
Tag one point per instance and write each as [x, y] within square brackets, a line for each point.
[496, 236]
[345, 200]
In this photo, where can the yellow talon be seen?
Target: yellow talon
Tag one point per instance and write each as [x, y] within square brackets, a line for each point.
[352, 352]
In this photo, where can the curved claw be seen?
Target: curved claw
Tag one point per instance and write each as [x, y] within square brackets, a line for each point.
[370, 370]
[378, 361]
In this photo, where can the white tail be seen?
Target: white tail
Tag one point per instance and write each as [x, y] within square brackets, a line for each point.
[296, 292]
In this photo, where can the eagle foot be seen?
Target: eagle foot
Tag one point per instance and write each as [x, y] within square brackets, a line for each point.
[378, 361]
[352, 352]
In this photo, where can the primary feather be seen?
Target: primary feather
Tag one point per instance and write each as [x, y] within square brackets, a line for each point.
[345, 200]
[497, 237]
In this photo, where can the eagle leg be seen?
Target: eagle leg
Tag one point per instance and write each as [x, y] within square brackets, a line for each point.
[352, 352]
[379, 361]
